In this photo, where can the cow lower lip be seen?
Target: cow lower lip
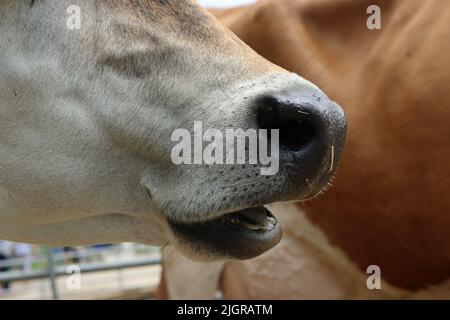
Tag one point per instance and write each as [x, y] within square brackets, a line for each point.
[243, 234]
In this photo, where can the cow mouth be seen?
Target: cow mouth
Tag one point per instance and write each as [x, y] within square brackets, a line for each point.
[242, 234]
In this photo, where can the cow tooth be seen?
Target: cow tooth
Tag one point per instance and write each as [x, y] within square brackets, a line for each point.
[269, 223]
[271, 220]
[250, 226]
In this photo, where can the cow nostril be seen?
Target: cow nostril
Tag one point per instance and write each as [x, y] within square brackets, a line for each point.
[296, 131]
[311, 135]
[296, 135]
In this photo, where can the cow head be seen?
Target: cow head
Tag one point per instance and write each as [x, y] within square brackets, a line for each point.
[102, 103]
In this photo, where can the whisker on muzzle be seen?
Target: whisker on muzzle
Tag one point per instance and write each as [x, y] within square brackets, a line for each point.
[332, 159]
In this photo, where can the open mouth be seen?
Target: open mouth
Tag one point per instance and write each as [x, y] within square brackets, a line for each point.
[242, 234]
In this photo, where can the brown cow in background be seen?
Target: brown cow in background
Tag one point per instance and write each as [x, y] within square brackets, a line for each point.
[389, 205]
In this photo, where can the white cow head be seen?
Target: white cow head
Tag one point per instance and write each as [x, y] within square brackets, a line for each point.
[88, 117]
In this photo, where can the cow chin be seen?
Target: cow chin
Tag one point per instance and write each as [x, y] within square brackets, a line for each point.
[243, 234]
[216, 224]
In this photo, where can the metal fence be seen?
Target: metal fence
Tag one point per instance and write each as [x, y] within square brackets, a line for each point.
[51, 266]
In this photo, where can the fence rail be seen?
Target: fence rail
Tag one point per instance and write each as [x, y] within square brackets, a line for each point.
[13, 276]
[53, 271]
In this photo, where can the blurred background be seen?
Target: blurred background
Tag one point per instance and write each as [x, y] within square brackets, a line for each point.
[121, 271]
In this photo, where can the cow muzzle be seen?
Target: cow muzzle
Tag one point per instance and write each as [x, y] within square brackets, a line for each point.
[311, 132]
[218, 210]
